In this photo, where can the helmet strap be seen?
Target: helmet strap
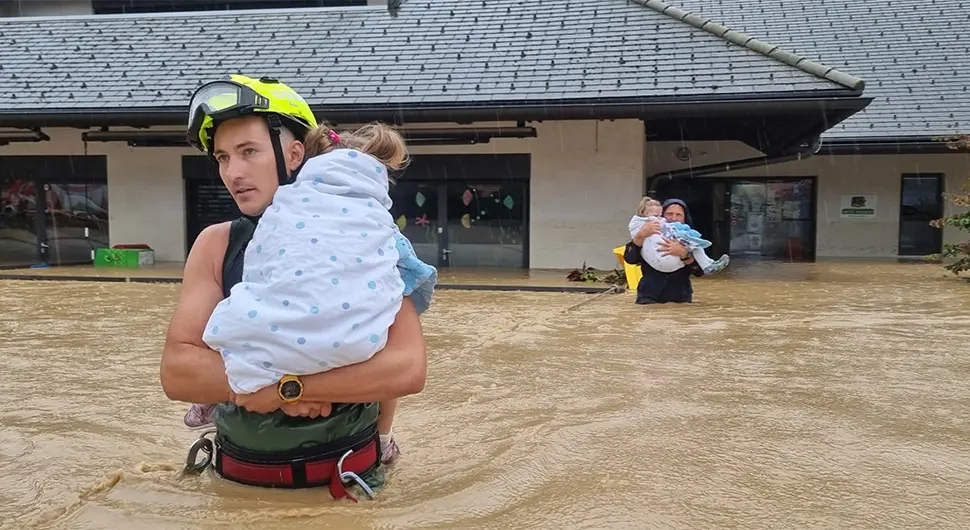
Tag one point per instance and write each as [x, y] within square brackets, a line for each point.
[274, 132]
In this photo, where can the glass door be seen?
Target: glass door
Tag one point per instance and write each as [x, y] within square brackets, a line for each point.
[921, 201]
[773, 219]
[415, 209]
[75, 222]
[487, 224]
[18, 223]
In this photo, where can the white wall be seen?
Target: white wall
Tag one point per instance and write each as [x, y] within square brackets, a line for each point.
[879, 175]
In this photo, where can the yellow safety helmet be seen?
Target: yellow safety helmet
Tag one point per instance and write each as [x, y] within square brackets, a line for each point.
[235, 96]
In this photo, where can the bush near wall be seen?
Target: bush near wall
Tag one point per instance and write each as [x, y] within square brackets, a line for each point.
[959, 253]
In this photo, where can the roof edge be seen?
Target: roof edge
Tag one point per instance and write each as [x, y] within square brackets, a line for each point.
[768, 50]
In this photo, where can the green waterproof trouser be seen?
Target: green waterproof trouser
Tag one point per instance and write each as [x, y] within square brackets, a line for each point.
[278, 433]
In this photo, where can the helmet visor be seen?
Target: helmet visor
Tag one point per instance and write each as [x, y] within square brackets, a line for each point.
[220, 100]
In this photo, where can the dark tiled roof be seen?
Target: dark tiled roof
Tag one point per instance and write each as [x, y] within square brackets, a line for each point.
[433, 52]
[914, 55]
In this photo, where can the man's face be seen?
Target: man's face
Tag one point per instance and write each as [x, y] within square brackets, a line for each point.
[247, 164]
[674, 213]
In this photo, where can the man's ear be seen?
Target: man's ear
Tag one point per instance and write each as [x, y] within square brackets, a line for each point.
[294, 155]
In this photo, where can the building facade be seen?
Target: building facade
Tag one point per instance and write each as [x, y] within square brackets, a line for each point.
[532, 141]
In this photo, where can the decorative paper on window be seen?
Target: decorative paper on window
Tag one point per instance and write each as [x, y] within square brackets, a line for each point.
[508, 202]
[467, 197]
[466, 221]
[421, 221]
[402, 222]
[419, 199]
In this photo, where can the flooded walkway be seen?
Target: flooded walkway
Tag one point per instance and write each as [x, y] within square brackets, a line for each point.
[788, 396]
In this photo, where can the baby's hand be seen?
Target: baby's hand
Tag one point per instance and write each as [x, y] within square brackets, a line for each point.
[309, 409]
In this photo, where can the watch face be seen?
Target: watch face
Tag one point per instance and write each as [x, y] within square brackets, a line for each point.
[290, 390]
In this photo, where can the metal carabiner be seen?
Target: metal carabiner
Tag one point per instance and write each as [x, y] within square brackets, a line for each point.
[346, 476]
[202, 443]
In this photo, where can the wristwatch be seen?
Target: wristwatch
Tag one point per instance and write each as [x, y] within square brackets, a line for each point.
[290, 389]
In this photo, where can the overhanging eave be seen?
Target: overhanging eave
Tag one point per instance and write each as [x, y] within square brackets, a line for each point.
[830, 108]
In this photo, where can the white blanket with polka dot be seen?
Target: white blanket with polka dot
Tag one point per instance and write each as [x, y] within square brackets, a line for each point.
[320, 279]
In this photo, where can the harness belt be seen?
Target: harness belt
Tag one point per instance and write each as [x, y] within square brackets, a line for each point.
[303, 468]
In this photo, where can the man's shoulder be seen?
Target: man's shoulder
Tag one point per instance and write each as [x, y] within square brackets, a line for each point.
[212, 241]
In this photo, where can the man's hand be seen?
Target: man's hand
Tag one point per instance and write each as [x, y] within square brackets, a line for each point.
[309, 409]
[647, 230]
[263, 401]
[672, 248]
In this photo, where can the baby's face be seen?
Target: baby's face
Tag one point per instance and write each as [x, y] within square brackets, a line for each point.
[653, 211]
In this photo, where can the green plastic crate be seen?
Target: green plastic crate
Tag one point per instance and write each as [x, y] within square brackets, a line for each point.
[123, 258]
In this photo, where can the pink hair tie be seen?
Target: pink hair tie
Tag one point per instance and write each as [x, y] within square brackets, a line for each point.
[334, 137]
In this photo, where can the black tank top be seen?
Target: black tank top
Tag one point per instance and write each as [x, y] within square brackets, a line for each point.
[240, 233]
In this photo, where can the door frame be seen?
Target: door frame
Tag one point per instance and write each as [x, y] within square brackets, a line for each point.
[43, 170]
[440, 170]
[940, 188]
[728, 181]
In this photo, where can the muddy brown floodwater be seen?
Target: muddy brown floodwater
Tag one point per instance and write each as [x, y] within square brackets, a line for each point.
[789, 396]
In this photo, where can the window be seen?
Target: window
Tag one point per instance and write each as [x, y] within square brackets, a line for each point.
[920, 202]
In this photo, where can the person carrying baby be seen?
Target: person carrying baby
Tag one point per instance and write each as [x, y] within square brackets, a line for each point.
[326, 271]
[650, 210]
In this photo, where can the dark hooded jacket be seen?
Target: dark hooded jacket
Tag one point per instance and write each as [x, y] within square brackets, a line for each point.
[661, 287]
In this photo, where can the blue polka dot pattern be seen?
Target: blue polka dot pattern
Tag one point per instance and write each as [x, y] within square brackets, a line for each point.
[259, 248]
[352, 154]
[314, 310]
[380, 252]
[345, 305]
[247, 345]
[360, 260]
[336, 344]
[298, 272]
[372, 284]
[335, 281]
[370, 204]
[306, 199]
[314, 241]
[274, 328]
[286, 302]
[356, 325]
[267, 364]
[252, 313]
[333, 258]
[344, 210]
[301, 341]
[318, 180]
[282, 251]
[214, 330]
[374, 338]
[301, 225]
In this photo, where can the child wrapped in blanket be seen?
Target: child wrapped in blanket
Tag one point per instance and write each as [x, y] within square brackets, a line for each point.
[325, 273]
[651, 210]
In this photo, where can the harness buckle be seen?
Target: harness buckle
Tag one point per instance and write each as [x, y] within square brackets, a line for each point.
[204, 444]
[347, 476]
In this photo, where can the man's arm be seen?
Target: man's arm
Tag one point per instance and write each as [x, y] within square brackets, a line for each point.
[191, 371]
[399, 369]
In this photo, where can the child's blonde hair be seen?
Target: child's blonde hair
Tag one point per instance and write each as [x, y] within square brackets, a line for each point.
[376, 139]
[645, 203]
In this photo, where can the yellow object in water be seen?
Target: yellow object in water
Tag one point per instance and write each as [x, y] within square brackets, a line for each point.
[633, 272]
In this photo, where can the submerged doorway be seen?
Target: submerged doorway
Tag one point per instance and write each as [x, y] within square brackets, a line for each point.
[53, 209]
[756, 218]
[468, 211]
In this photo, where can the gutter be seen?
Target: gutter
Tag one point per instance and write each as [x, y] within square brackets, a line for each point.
[890, 146]
[598, 109]
[803, 153]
